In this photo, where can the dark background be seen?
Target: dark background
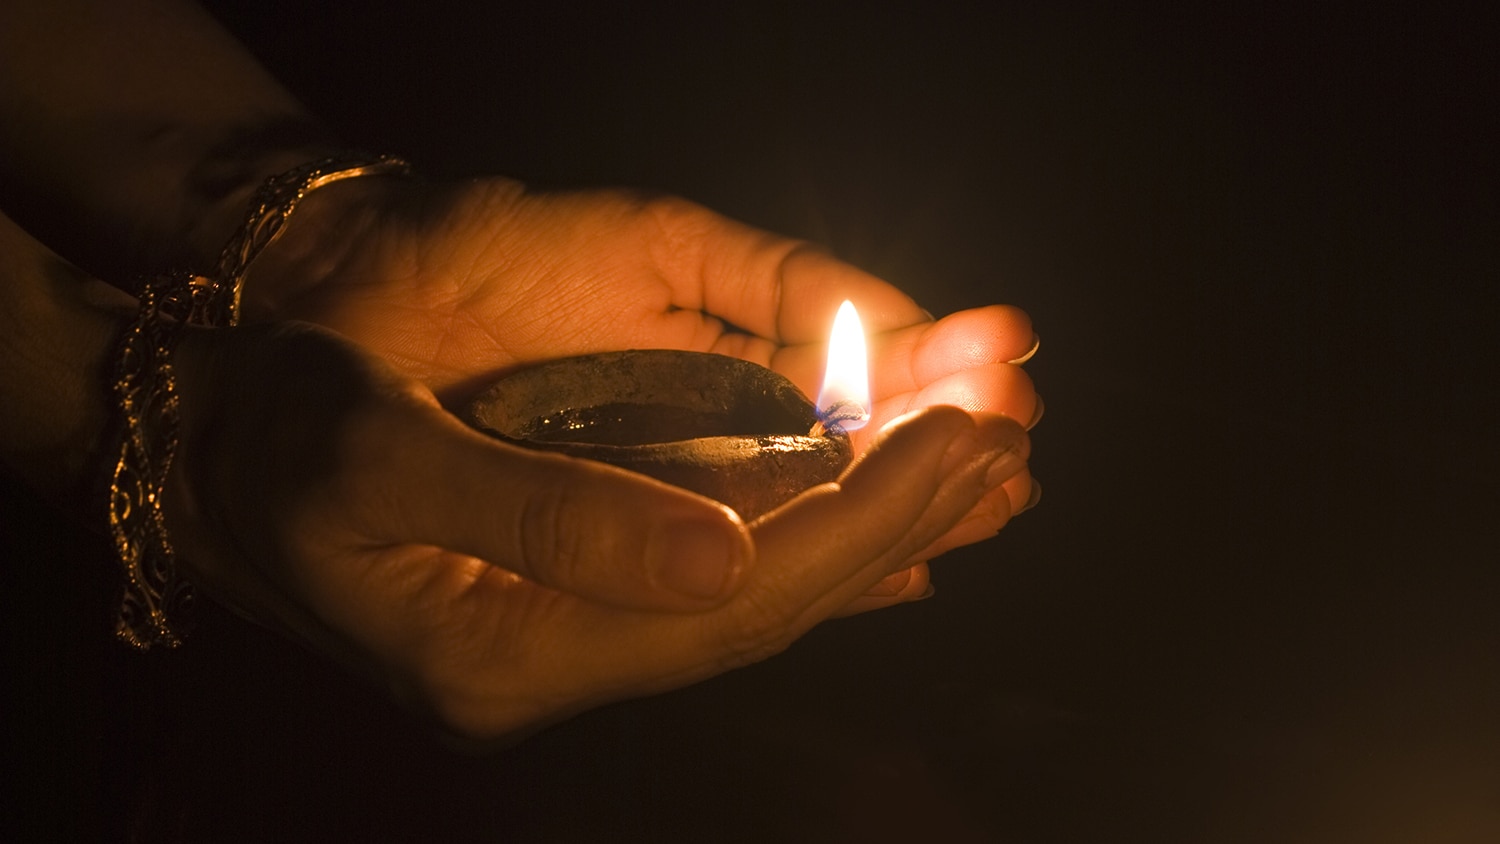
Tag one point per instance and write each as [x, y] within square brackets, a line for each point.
[1259, 601]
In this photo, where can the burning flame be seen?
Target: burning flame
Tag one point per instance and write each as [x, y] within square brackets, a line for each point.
[844, 401]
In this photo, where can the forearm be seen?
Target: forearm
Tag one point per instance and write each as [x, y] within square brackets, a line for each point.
[132, 134]
[58, 330]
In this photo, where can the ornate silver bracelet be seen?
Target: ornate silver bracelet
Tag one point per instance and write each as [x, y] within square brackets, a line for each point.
[144, 389]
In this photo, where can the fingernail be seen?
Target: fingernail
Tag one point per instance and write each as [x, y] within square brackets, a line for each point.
[1007, 464]
[692, 558]
[1036, 344]
[997, 440]
[962, 450]
[928, 593]
[1036, 415]
[1006, 450]
[1033, 499]
[892, 585]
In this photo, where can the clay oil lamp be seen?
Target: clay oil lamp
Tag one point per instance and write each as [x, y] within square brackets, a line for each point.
[725, 428]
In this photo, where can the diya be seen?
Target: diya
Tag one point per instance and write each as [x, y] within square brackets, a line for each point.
[723, 427]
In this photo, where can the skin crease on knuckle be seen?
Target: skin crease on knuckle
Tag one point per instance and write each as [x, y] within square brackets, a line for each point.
[550, 541]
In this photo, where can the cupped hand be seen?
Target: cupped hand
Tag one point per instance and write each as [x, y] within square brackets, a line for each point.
[455, 284]
[319, 491]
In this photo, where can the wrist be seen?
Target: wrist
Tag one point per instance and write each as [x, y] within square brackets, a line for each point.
[223, 182]
[322, 225]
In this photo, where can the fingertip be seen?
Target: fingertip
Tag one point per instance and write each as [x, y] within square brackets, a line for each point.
[701, 558]
[943, 433]
[901, 584]
[1037, 414]
[1033, 497]
[963, 340]
[990, 388]
[1036, 346]
[903, 587]
[919, 586]
[1002, 432]
[599, 532]
[940, 418]
[1004, 443]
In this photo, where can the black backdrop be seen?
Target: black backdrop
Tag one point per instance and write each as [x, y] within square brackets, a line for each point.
[1259, 600]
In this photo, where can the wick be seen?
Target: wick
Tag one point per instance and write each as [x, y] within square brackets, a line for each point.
[839, 413]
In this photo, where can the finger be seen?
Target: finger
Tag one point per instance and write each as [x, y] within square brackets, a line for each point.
[1036, 346]
[982, 522]
[765, 284]
[1004, 500]
[909, 358]
[992, 389]
[1019, 492]
[1037, 413]
[578, 526]
[815, 555]
[1033, 499]
[956, 343]
[824, 549]
[905, 586]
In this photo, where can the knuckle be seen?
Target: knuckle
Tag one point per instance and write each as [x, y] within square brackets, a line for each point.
[764, 625]
[672, 211]
[439, 681]
[676, 231]
[550, 540]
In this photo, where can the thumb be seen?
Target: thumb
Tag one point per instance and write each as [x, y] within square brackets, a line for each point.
[578, 526]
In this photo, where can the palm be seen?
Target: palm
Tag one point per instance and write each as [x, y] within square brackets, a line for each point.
[496, 278]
